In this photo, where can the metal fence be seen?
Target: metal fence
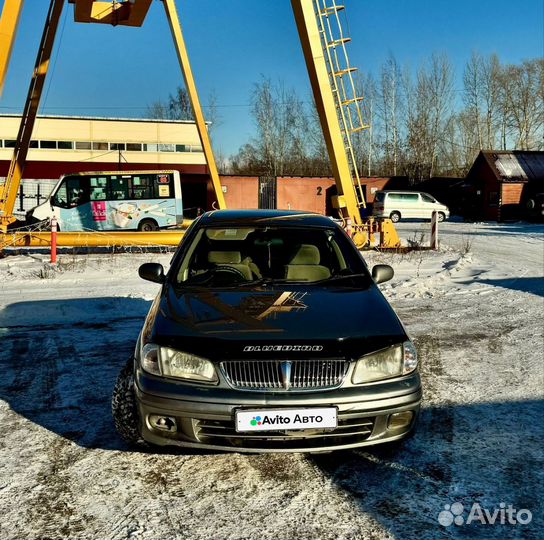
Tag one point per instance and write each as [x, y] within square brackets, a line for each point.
[32, 193]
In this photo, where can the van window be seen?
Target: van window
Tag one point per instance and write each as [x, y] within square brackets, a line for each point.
[427, 198]
[404, 197]
[380, 196]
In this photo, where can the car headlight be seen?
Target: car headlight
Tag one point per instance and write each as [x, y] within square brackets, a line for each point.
[149, 358]
[186, 366]
[180, 365]
[385, 364]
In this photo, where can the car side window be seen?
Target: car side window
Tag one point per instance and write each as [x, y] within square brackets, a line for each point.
[427, 198]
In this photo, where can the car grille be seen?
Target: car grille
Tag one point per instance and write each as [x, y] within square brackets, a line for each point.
[280, 375]
[223, 433]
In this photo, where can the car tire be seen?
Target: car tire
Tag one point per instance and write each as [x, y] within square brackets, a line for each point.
[394, 217]
[148, 225]
[441, 217]
[123, 407]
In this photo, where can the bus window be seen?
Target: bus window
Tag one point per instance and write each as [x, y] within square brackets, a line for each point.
[142, 187]
[77, 188]
[98, 188]
[163, 186]
[60, 198]
[118, 188]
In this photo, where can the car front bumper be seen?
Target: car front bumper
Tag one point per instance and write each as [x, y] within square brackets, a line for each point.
[203, 417]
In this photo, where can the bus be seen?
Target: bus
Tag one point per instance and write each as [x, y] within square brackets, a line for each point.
[112, 201]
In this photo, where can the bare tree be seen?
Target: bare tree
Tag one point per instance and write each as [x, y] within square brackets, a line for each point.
[481, 94]
[522, 99]
[212, 114]
[418, 129]
[389, 109]
[279, 146]
[176, 107]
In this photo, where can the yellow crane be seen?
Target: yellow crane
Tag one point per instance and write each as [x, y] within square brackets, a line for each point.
[324, 47]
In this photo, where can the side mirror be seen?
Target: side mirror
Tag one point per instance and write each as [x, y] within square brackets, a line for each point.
[152, 272]
[382, 272]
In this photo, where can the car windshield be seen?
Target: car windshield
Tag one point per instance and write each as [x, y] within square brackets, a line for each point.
[237, 255]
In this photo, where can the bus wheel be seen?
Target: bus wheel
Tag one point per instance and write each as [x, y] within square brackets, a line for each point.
[148, 225]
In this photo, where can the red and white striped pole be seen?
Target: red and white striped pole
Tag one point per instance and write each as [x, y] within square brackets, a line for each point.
[434, 231]
[53, 240]
[349, 228]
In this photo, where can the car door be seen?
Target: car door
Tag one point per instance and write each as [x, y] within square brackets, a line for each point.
[428, 206]
[411, 205]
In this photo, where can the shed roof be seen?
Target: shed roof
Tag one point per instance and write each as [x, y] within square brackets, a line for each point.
[516, 165]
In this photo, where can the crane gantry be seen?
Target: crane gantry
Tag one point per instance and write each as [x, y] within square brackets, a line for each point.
[331, 75]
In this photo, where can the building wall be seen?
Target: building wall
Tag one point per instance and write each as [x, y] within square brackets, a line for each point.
[486, 190]
[178, 141]
[373, 184]
[511, 199]
[241, 191]
[303, 193]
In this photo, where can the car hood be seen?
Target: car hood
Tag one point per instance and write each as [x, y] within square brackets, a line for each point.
[276, 323]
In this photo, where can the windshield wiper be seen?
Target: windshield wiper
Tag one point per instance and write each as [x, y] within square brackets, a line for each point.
[274, 281]
[339, 277]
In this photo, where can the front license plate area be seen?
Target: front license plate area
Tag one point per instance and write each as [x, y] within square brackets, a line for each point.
[286, 419]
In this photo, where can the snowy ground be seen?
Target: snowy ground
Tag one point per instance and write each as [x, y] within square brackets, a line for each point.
[475, 311]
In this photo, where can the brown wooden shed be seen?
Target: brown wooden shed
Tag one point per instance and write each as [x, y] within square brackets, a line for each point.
[501, 182]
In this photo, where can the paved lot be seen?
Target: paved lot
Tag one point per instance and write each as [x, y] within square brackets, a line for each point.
[474, 310]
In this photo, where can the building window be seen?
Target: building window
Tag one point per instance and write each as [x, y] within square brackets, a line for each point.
[167, 147]
[150, 147]
[83, 145]
[100, 146]
[196, 148]
[182, 148]
[65, 145]
[33, 144]
[117, 146]
[9, 144]
[48, 145]
[134, 147]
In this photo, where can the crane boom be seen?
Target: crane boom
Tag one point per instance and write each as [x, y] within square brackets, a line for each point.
[9, 21]
[338, 105]
[8, 193]
[326, 103]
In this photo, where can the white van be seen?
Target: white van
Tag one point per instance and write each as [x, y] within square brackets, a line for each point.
[398, 205]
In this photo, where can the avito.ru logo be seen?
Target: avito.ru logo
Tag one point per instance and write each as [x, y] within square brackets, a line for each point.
[504, 515]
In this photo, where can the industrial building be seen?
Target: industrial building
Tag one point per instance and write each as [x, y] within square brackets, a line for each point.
[62, 145]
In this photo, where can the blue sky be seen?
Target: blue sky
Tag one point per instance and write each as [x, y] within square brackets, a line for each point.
[104, 71]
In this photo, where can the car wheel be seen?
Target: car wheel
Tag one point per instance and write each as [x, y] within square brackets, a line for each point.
[441, 216]
[123, 407]
[395, 217]
[148, 225]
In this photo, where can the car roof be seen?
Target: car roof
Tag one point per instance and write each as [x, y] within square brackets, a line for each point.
[398, 191]
[288, 218]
